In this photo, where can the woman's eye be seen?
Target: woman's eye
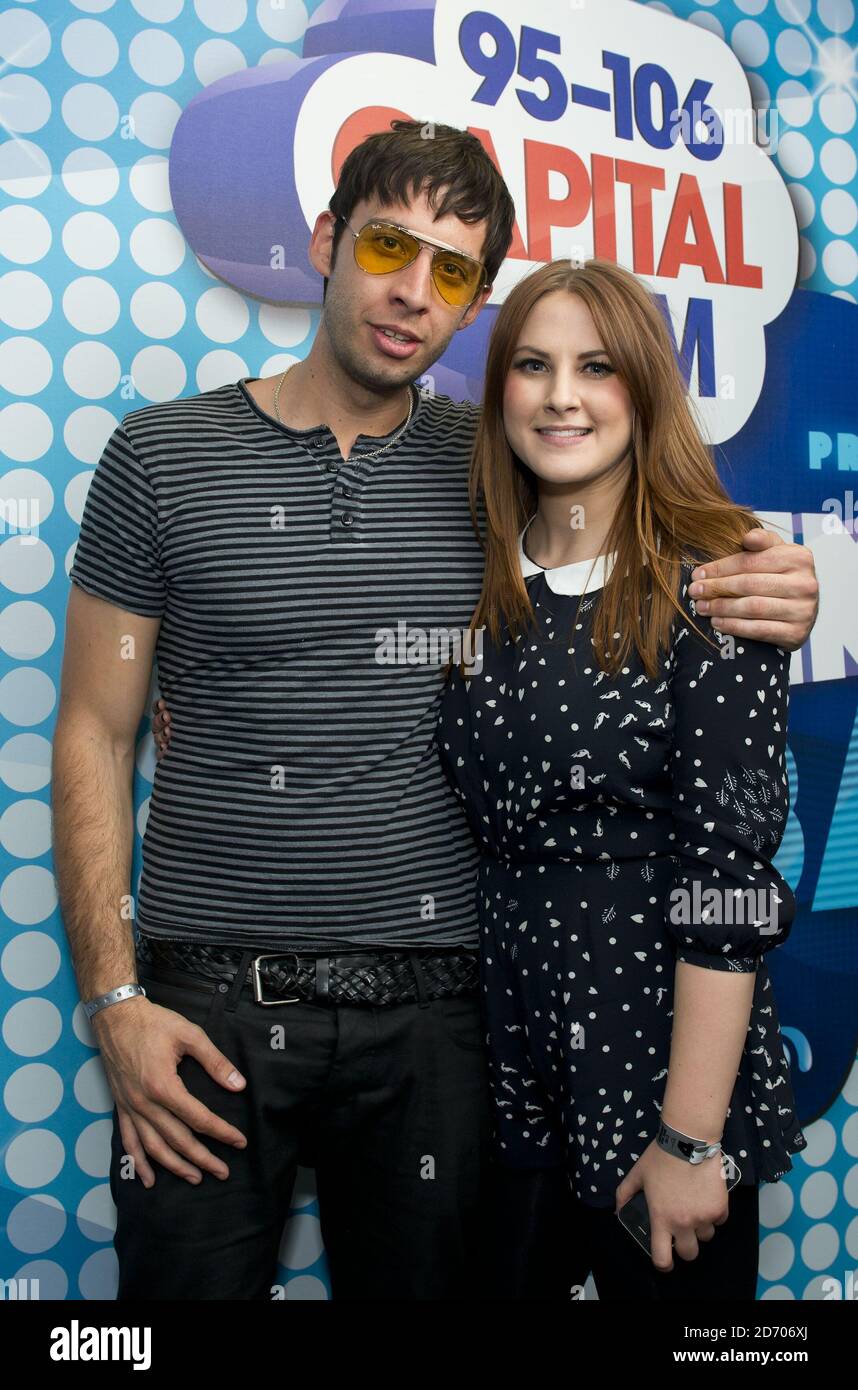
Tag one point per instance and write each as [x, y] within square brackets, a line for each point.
[603, 368]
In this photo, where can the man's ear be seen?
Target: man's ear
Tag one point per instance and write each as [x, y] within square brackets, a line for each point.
[319, 250]
[473, 310]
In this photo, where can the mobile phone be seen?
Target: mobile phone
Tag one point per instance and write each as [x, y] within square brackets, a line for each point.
[635, 1214]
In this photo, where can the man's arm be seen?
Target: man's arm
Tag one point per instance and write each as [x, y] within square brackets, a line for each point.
[768, 591]
[107, 664]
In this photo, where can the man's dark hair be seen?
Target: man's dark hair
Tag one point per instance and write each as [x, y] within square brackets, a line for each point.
[396, 165]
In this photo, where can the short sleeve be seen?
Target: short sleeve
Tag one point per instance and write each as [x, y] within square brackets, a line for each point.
[728, 904]
[118, 553]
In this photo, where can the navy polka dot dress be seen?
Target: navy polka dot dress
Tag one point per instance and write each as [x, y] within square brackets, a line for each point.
[592, 799]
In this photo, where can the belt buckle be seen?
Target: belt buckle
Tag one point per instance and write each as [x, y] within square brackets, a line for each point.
[258, 983]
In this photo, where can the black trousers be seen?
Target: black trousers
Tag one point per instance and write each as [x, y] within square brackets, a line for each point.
[541, 1243]
[390, 1105]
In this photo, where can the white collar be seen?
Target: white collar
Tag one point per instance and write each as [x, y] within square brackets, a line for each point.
[579, 577]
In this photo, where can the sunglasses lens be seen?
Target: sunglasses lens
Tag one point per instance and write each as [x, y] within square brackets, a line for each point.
[380, 248]
[457, 279]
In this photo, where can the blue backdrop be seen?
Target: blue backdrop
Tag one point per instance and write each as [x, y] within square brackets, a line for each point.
[100, 286]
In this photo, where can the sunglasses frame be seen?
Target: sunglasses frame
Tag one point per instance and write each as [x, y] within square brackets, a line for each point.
[436, 246]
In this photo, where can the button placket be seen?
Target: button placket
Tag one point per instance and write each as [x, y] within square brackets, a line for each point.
[345, 517]
[344, 511]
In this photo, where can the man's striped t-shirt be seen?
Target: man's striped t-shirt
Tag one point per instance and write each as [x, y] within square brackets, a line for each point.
[301, 597]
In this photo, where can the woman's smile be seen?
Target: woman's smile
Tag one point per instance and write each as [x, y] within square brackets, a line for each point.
[564, 435]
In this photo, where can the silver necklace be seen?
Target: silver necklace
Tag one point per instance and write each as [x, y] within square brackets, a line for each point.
[374, 452]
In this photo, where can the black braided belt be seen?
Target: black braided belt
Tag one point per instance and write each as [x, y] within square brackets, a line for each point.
[285, 977]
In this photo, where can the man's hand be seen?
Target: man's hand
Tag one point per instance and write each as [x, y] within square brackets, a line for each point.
[160, 727]
[768, 591]
[141, 1046]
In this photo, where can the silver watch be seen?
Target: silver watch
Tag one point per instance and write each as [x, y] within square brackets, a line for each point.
[113, 996]
[692, 1150]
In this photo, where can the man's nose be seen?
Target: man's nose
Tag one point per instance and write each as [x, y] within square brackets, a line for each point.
[414, 281]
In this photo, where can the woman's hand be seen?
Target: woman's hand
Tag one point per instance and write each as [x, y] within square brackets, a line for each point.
[160, 727]
[686, 1201]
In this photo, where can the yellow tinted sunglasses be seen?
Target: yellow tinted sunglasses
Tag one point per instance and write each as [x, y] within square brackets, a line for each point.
[382, 247]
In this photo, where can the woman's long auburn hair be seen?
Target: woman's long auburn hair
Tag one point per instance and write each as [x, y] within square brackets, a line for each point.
[675, 506]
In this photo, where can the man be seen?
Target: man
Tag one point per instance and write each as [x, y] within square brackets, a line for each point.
[306, 911]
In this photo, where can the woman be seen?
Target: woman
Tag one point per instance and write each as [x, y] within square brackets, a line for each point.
[622, 766]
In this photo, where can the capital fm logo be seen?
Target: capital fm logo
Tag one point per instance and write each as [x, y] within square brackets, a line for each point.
[620, 131]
